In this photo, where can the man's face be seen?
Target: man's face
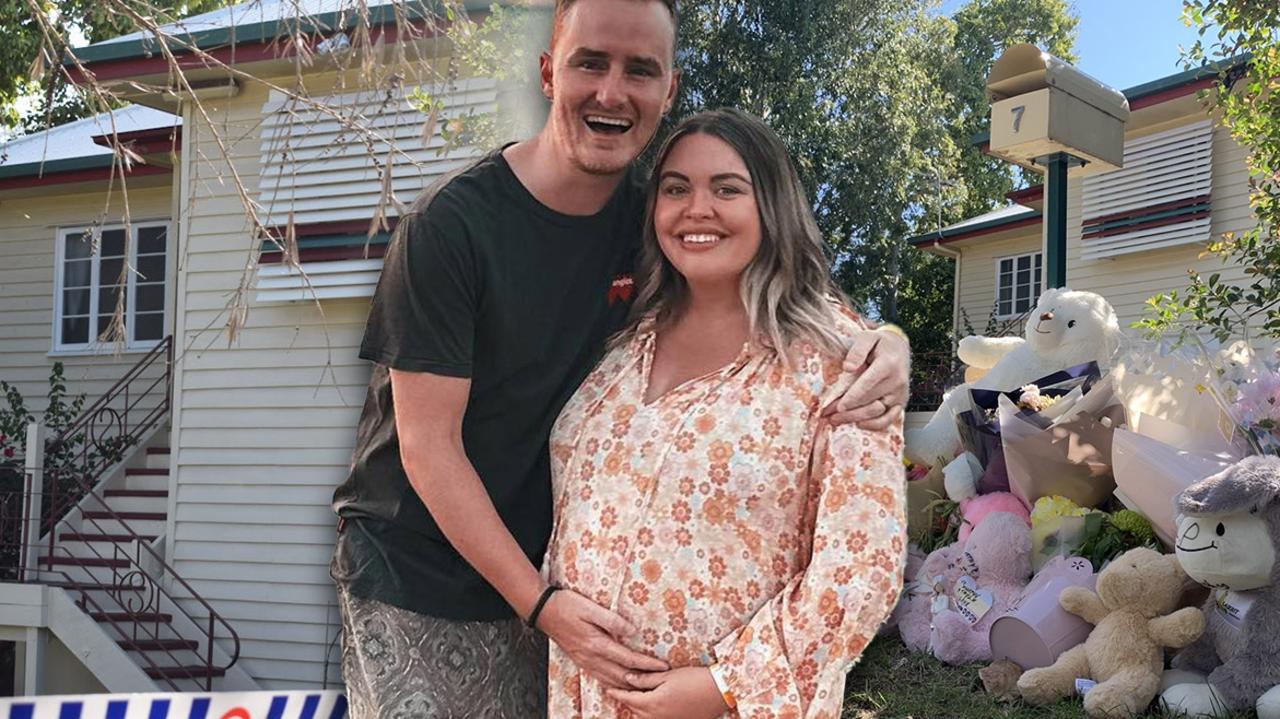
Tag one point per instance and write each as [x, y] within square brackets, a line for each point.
[610, 79]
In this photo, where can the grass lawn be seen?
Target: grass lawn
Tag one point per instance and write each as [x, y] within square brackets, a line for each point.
[893, 683]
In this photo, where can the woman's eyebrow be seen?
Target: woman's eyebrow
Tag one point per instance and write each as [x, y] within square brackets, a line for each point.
[730, 176]
[673, 174]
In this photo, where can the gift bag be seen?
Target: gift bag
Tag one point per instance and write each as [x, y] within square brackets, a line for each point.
[920, 493]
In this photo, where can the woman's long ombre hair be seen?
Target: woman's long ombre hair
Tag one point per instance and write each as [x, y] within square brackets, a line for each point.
[786, 288]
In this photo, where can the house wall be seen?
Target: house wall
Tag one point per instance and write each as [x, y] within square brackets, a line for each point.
[264, 424]
[978, 260]
[28, 233]
[1127, 281]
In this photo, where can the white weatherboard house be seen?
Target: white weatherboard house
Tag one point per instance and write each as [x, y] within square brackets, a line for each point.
[1131, 233]
[200, 558]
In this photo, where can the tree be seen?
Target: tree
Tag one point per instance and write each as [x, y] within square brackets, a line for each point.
[977, 182]
[33, 94]
[1247, 102]
[847, 85]
[878, 101]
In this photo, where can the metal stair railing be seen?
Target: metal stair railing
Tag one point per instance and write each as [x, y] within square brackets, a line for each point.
[139, 595]
[100, 436]
[70, 468]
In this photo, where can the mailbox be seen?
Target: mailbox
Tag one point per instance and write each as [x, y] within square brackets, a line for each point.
[1041, 106]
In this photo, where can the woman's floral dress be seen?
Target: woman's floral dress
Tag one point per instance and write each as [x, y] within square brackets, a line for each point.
[730, 524]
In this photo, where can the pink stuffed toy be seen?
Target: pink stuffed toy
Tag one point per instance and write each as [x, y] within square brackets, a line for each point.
[997, 566]
[927, 593]
[977, 508]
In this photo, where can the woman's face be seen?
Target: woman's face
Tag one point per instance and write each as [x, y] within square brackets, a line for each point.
[705, 213]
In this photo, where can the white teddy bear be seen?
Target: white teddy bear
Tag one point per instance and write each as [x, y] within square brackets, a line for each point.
[1065, 329]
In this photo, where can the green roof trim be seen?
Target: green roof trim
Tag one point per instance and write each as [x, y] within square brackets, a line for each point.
[307, 243]
[70, 164]
[1155, 87]
[1151, 217]
[148, 47]
[975, 227]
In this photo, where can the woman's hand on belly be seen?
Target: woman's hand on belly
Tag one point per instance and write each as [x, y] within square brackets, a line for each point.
[589, 634]
[685, 693]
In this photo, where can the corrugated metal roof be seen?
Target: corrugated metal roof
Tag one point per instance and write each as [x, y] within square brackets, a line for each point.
[992, 220]
[74, 140]
[264, 20]
[255, 11]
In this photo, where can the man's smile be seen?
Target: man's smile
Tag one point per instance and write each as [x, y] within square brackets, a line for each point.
[607, 124]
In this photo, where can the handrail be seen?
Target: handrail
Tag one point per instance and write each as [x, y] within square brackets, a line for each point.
[135, 563]
[165, 347]
[90, 440]
[75, 462]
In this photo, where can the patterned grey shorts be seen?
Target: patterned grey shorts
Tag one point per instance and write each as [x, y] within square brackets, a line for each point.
[399, 664]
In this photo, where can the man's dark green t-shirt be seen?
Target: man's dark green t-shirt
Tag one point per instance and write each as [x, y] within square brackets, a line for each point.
[487, 283]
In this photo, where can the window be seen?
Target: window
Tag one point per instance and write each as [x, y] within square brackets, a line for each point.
[1017, 283]
[89, 283]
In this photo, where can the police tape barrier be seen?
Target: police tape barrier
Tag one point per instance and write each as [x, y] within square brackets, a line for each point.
[192, 705]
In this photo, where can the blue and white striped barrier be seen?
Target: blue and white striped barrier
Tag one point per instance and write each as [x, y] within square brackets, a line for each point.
[217, 705]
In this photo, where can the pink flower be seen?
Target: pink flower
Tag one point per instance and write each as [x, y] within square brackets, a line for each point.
[1259, 401]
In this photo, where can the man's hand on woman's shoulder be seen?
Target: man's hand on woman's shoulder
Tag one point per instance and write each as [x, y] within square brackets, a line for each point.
[881, 361]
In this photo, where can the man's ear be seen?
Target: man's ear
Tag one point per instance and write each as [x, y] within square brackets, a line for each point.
[546, 72]
[672, 91]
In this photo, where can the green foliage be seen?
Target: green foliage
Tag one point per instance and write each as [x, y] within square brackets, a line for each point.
[1247, 103]
[60, 412]
[63, 460]
[497, 47]
[1107, 536]
[33, 93]
[877, 101]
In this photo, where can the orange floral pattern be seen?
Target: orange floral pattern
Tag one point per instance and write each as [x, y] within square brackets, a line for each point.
[730, 524]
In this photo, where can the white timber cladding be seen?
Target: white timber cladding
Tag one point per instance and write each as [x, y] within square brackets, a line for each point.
[29, 230]
[264, 425]
[1164, 173]
[325, 164]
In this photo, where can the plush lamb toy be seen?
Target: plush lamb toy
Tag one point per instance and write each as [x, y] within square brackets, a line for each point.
[1228, 536]
[1065, 329]
[997, 565]
[1124, 652]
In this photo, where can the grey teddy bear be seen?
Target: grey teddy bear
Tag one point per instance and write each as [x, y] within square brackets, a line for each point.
[1228, 538]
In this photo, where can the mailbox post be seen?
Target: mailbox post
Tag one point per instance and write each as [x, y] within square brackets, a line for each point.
[1049, 117]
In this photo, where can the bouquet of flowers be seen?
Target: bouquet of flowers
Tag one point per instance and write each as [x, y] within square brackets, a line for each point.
[980, 427]
[1245, 384]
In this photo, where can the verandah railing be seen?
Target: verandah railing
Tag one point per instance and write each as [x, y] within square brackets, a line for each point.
[120, 579]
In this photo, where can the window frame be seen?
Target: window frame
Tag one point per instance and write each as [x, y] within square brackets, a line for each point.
[1036, 279]
[94, 345]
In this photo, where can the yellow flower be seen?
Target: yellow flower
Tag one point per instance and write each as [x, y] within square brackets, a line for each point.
[1047, 508]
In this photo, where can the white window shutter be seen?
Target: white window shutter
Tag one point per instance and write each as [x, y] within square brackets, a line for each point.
[1160, 199]
[325, 169]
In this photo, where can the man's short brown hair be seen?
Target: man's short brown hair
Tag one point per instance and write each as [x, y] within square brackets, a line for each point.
[563, 6]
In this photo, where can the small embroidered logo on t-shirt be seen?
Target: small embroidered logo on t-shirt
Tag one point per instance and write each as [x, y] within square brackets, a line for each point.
[621, 289]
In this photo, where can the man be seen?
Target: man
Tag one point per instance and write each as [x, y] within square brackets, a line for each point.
[497, 294]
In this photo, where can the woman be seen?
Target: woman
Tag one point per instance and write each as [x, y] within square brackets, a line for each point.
[699, 493]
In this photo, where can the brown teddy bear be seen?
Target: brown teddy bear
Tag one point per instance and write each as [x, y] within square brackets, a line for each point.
[1124, 653]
